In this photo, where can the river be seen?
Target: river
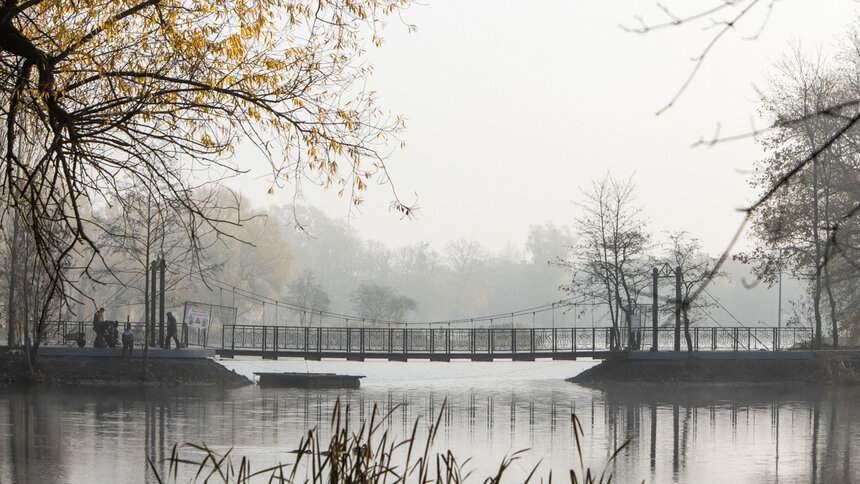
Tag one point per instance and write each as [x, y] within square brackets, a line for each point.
[488, 410]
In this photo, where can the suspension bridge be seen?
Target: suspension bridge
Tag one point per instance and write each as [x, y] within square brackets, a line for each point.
[446, 344]
[512, 335]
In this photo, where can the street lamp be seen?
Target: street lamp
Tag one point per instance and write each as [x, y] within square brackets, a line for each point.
[779, 311]
[779, 302]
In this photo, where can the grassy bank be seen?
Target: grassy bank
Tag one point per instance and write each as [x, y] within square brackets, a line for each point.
[824, 368]
[116, 371]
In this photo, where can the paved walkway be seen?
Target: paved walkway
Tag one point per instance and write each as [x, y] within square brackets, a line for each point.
[117, 352]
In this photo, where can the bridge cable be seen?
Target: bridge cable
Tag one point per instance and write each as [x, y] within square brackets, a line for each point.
[733, 317]
[251, 295]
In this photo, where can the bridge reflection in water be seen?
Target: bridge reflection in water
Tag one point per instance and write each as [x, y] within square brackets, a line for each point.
[485, 344]
[679, 433]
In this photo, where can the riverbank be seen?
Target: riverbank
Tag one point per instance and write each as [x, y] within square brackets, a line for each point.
[87, 370]
[821, 368]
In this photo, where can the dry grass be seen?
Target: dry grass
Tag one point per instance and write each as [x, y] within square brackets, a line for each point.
[367, 456]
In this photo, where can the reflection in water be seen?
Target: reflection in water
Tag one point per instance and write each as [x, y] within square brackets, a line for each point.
[764, 434]
[155, 439]
[677, 434]
[33, 439]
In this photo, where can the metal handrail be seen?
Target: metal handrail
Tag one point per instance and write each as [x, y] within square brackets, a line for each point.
[490, 341]
[64, 333]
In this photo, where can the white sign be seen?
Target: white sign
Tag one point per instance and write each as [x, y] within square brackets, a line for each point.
[635, 322]
[197, 317]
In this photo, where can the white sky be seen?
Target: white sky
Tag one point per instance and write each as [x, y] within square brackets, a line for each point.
[512, 107]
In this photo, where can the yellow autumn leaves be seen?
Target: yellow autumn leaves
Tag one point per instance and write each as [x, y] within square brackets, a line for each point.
[196, 76]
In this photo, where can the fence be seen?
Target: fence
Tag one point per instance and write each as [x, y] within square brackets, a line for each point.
[490, 341]
[456, 341]
[65, 333]
[217, 317]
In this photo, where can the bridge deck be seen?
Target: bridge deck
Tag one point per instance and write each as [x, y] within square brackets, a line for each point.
[400, 356]
[445, 344]
[484, 344]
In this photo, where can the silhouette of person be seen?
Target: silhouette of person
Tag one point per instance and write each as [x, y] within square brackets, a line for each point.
[171, 331]
[99, 328]
[127, 341]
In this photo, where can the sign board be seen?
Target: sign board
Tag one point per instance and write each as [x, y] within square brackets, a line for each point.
[198, 316]
[635, 322]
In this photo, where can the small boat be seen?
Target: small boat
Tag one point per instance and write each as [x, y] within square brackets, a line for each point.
[307, 380]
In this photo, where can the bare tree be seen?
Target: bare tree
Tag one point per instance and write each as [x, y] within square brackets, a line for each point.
[417, 259]
[697, 269]
[610, 261]
[547, 243]
[32, 300]
[465, 256]
[306, 292]
[378, 303]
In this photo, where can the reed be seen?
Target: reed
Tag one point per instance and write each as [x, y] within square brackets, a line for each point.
[367, 456]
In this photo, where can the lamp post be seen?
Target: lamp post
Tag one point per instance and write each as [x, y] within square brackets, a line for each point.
[779, 309]
[779, 302]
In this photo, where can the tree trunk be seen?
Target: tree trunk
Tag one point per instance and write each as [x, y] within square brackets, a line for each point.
[612, 316]
[687, 328]
[28, 290]
[629, 323]
[11, 313]
[816, 220]
[616, 334]
[46, 291]
[816, 296]
[41, 303]
[146, 302]
[677, 346]
[834, 326]
[816, 306]
[827, 283]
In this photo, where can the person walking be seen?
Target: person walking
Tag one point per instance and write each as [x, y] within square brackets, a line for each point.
[99, 328]
[127, 341]
[171, 331]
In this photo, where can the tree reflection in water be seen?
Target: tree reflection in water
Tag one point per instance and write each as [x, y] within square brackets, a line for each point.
[681, 434]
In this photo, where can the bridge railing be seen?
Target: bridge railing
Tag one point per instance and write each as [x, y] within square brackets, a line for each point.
[731, 338]
[454, 341]
[64, 333]
[461, 340]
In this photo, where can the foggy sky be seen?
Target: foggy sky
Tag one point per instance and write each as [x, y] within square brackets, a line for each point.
[513, 107]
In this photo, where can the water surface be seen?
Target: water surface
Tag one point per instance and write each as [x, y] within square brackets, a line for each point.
[488, 410]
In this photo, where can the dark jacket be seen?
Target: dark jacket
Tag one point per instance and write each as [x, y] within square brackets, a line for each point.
[171, 324]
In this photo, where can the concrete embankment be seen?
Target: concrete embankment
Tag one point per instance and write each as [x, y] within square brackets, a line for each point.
[790, 367]
[107, 369]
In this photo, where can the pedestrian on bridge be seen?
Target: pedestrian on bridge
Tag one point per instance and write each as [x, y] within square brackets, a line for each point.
[127, 341]
[171, 331]
[99, 328]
